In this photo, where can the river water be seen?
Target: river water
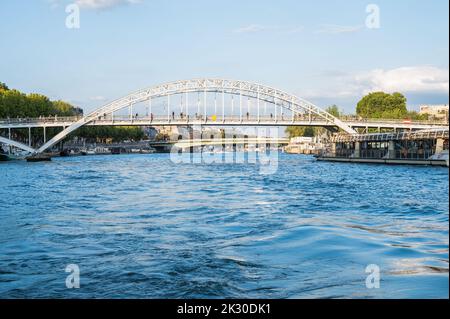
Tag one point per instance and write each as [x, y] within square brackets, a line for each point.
[140, 226]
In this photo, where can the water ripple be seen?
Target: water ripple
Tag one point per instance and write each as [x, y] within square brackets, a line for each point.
[139, 226]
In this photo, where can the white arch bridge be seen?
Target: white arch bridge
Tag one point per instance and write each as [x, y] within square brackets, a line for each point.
[216, 102]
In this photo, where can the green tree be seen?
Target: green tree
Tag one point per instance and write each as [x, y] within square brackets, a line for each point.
[14, 103]
[117, 134]
[308, 131]
[62, 108]
[38, 105]
[382, 105]
[3, 87]
[413, 115]
[334, 110]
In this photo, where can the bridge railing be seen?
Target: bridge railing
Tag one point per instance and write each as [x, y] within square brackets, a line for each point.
[217, 118]
[393, 121]
[165, 118]
[52, 119]
[382, 137]
[211, 118]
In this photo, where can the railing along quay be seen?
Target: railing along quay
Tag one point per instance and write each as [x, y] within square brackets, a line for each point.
[413, 135]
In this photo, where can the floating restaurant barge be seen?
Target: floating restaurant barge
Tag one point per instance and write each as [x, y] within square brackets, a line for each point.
[427, 147]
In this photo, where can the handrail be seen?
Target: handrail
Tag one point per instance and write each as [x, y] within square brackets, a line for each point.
[413, 135]
[346, 119]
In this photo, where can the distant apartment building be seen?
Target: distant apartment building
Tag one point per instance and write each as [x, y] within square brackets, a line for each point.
[435, 111]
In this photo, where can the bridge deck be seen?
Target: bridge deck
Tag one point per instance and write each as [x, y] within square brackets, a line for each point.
[227, 121]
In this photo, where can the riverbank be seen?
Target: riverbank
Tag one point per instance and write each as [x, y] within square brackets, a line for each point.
[442, 163]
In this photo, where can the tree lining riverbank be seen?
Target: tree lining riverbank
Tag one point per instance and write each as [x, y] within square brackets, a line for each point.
[16, 104]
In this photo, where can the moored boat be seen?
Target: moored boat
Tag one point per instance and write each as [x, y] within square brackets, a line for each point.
[4, 157]
[423, 147]
[39, 158]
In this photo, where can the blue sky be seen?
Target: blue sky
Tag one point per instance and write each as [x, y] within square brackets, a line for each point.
[319, 50]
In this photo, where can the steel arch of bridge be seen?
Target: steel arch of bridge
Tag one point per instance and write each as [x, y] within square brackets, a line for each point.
[235, 87]
[24, 147]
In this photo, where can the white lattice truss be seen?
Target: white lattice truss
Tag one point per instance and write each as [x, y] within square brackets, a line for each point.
[17, 144]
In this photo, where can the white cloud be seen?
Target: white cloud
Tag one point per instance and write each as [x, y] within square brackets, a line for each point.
[407, 80]
[419, 79]
[93, 4]
[254, 28]
[325, 28]
[98, 98]
[103, 4]
[53, 3]
[337, 29]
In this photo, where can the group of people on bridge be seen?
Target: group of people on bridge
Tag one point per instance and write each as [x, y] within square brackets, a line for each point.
[198, 116]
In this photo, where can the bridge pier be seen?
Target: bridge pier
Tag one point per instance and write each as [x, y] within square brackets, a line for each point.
[439, 145]
[333, 149]
[391, 150]
[357, 153]
[191, 137]
[9, 137]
